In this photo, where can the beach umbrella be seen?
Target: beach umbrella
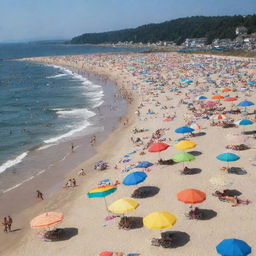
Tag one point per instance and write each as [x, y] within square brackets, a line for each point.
[195, 126]
[184, 129]
[218, 117]
[134, 178]
[123, 205]
[159, 220]
[102, 191]
[191, 196]
[228, 157]
[183, 157]
[244, 122]
[47, 220]
[158, 147]
[217, 97]
[226, 90]
[233, 247]
[143, 164]
[185, 144]
[230, 99]
[245, 103]
[106, 253]
[201, 98]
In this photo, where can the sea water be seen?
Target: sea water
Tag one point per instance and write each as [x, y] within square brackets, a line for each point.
[41, 105]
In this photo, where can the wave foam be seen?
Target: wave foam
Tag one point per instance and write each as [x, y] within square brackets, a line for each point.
[12, 162]
[56, 76]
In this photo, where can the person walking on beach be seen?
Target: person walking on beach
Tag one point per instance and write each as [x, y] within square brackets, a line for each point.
[81, 172]
[9, 223]
[5, 224]
[74, 182]
[72, 147]
[93, 140]
[39, 195]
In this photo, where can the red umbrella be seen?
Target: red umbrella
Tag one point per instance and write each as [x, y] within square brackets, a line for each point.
[191, 196]
[226, 90]
[158, 147]
[230, 99]
[106, 253]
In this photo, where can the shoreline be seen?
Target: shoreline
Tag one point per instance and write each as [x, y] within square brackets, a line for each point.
[87, 216]
[66, 162]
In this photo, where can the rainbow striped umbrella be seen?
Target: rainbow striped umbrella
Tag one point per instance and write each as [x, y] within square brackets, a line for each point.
[102, 191]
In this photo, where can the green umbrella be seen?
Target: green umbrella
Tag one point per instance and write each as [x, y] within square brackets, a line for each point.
[183, 157]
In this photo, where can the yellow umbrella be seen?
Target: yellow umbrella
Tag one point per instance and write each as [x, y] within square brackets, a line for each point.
[185, 144]
[159, 220]
[123, 205]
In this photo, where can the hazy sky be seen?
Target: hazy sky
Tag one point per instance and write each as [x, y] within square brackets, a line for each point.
[51, 19]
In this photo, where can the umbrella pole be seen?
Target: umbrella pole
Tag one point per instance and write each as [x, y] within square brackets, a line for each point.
[106, 205]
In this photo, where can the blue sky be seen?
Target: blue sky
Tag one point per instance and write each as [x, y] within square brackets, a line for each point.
[51, 19]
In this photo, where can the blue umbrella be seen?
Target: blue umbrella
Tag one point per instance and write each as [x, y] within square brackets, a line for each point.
[184, 129]
[233, 247]
[134, 178]
[143, 164]
[202, 98]
[245, 103]
[252, 82]
[244, 122]
[228, 157]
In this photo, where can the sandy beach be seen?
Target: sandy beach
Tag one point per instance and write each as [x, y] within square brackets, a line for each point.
[162, 91]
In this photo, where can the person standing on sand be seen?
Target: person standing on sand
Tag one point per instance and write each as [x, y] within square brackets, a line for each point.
[39, 195]
[5, 224]
[9, 223]
[72, 147]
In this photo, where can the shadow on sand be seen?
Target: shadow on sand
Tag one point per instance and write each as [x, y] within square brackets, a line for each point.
[145, 192]
[195, 153]
[207, 214]
[178, 238]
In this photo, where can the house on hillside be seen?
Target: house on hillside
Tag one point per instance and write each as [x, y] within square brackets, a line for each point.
[195, 42]
[250, 41]
[241, 30]
[223, 43]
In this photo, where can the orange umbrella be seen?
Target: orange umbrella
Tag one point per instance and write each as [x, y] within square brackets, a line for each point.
[191, 196]
[226, 90]
[217, 97]
[47, 219]
[158, 147]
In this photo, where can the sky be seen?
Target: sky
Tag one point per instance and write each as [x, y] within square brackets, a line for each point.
[64, 19]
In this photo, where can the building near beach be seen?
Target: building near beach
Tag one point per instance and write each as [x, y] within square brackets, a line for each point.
[195, 42]
[241, 30]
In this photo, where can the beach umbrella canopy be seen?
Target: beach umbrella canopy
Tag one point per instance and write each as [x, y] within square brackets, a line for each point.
[184, 129]
[183, 157]
[159, 220]
[228, 157]
[123, 205]
[158, 147]
[201, 98]
[134, 178]
[226, 90]
[245, 103]
[218, 117]
[230, 99]
[102, 191]
[185, 144]
[106, 253]
[233, 247]
[195, 126]
[47, 220]
[191, 196]
[217, 97]
[244, 122]
[143, 164]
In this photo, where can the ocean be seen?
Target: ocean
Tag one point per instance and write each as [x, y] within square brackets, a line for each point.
[42, 106]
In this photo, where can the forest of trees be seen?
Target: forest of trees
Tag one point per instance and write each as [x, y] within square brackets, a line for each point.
[175, 30]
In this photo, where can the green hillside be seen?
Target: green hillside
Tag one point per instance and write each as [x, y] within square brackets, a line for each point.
[175, 30]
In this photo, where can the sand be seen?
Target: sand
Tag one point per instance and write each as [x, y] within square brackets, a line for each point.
[89, 233]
